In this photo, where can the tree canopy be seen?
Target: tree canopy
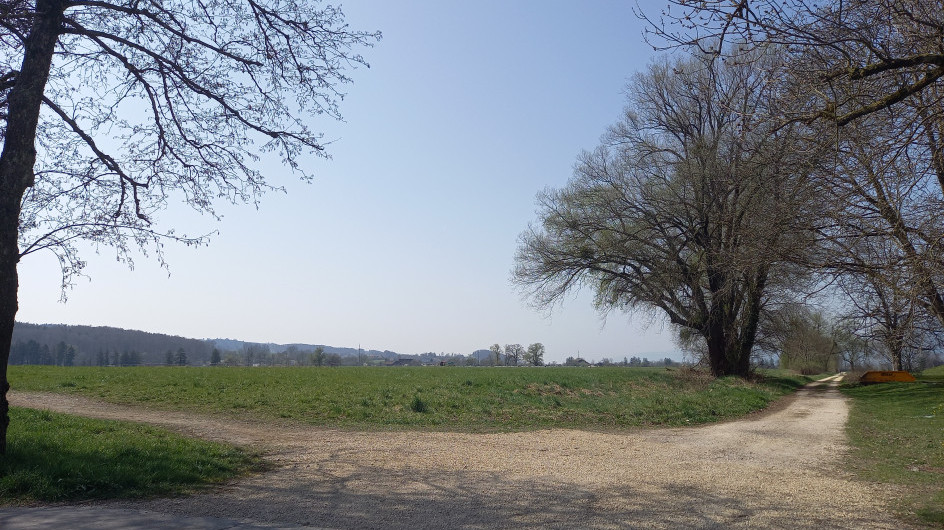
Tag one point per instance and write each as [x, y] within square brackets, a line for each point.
[111, 110]
[854, 57]
[159, 102]
[695, 205]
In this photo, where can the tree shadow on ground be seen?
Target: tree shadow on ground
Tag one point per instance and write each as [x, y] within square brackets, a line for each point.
[378, 498]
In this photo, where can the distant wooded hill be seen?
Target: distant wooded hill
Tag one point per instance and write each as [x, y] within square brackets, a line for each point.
[99, 345]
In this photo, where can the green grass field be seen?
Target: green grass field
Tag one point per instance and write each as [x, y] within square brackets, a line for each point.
[55, 457]
[897, 430]
[442, 398]
[897, 434]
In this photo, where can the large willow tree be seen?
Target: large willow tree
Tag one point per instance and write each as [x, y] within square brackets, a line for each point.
[695, 205]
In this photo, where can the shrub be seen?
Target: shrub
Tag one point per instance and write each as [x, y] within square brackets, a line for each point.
[418, 405]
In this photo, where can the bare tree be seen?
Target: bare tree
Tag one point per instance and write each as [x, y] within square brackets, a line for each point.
[875, 69]
[884, 311]
[693, 206]
[513, 354]
[113, 109]
[886, 231]
[854, 57]
[495, 354]
[852, 350]
[804, 338]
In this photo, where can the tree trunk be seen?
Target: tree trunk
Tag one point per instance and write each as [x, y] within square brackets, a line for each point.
[897, 361]
[9, 256]
[724, 357]
[717, 359]
[727, 355]
[16, 170]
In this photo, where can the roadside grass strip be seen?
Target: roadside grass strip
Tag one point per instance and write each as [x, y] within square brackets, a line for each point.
[935, 374]
[56, 457]
[897, 436]
[468, 399]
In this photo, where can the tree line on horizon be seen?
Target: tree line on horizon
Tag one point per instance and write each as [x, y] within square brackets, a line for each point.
[76, 345]
[71, 345]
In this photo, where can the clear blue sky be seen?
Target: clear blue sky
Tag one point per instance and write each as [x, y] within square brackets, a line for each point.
[406, 238]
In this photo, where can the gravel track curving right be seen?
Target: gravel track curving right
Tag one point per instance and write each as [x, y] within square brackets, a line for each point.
[776, 470]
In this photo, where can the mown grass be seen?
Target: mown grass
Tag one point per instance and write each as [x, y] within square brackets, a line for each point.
[897, 434]
[932, 374]
[442, 398]
[56, 457]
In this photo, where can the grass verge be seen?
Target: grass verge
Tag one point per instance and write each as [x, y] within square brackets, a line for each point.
[56, 457]
[441, 398]
[933, 374]
[897, 435]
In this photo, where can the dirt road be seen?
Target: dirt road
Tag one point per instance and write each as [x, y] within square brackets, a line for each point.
[776, 470]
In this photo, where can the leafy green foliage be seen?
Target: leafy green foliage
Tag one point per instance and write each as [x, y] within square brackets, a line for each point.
[55, 457]
[897, 433]
[452, 398]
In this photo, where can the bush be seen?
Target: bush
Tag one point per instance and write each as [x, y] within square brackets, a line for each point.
[418, 405]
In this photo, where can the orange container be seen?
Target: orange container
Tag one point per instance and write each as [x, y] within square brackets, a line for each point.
[887, 377]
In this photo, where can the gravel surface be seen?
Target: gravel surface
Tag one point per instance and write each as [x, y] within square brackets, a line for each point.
[773, 470]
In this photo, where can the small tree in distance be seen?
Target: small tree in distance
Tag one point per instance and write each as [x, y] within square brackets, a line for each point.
[496, 354]
[513, 354]
[318, 357]
[535, 354]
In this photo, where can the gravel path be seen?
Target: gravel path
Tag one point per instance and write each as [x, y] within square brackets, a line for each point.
[773, 470]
